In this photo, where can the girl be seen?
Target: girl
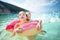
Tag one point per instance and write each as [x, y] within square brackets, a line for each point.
[22, 18]
[28, 18]
[39, 25]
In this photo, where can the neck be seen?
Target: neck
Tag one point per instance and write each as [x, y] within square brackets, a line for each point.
[23, 21]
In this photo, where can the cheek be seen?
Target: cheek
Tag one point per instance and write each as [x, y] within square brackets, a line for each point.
[28, 16]
[19, 16]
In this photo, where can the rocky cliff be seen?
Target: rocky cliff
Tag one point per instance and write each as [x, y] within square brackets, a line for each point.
[6, 8]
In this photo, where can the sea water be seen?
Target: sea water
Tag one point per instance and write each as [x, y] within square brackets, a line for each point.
[50, 23]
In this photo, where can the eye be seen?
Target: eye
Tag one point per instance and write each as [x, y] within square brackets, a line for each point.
[19, 14]
[26, 14]
[23, 14]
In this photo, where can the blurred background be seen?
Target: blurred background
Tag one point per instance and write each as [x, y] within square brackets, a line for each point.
[46, 10]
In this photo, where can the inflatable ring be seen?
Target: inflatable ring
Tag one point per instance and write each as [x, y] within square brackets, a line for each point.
[10, 26]
[29, 29]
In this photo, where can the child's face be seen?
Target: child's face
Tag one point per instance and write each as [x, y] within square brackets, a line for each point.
[28, 15]
[22, 16]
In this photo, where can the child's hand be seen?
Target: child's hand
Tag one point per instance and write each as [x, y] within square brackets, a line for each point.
[19, 30]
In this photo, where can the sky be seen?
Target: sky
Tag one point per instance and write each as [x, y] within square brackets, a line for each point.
[36, 5]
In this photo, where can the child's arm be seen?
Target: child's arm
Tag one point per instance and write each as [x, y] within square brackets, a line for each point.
[16, 26]
[39, 26]
[14, 31]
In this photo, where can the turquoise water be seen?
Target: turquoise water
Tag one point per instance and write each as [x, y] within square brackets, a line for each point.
[51, 24]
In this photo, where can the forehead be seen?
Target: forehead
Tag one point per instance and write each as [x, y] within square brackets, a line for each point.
[21, 12]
